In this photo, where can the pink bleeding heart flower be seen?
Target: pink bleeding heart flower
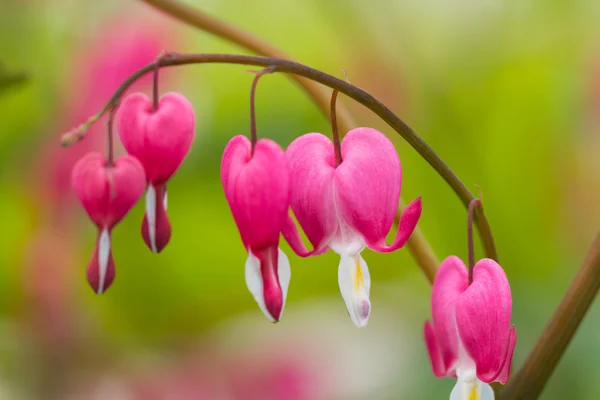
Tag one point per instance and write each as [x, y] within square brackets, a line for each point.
[471, 337]
[349, 206]
[160, 139]
[107, 192]
[257, 188]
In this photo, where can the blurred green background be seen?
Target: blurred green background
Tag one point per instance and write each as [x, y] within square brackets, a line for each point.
[506, 92]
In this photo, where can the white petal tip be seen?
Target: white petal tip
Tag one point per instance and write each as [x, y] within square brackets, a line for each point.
[355, 285]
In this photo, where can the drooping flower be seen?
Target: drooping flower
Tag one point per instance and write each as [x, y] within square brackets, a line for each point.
[257, 189]
[160, 139]
[471, 337]
[349, 206]
[107, 192]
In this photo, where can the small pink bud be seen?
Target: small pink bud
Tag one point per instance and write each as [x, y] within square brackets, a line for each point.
[160, 139]
[107, 192]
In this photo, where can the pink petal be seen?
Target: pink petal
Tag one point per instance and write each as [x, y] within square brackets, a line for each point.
[483, 317]
[257, 189]
[273, 296]
[406, 226]
[160, 138]
[312, 165]
[433, 348]
[367, 184]
[508, 355]
[156, 228]
[292, 236]
[108, 192]
[450, 282]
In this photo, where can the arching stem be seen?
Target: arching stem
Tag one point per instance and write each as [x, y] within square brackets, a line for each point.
[349, 90]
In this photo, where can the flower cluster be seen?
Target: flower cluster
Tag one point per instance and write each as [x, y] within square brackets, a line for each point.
[157, 138]
[344, 207]
[345, 198]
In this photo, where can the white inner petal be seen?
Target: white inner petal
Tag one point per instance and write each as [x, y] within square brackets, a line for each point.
[103, 255]
[165, 200]
[254, 282]
[471, 388]
[151, 215]
[284, 274]
[355, 285]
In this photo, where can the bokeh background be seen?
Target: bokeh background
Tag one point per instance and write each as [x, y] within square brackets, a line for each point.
[506, 92]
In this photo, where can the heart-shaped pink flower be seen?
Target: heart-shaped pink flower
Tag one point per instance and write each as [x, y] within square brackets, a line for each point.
[257, 189]
[348, 207]
[160, 139]
[107, 192]
[471, 337]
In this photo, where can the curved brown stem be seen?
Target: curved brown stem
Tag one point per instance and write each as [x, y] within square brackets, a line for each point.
[471, 250]
[349, 90]
[253, 136]
[528, 383]
[334, 130]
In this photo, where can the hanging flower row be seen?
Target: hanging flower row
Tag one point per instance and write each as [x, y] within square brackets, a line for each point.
[344, 196]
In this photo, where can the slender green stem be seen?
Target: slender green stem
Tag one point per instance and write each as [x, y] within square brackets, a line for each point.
[110, 159]
[155, 94]
[528, 383]
[471, 250]
[334, 130]
[349, 90]
[253, 136]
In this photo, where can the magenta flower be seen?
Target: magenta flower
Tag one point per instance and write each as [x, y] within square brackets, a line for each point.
[107, 192]
[471, 337]
[349, 206]
[160, 139]
[257, 189]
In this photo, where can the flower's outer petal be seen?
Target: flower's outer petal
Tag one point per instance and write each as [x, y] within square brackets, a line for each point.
[312, 165]
[101, 268]
[510, 349]
[90, 184]
[483, 318]
[406, 226]
[450, 282]
[131, 121]
[268, 278]
[156, 228]
[108, 192]
[355, 285]
[292, 236]
[367, 183]
[433, 349]
[160, 138]
[127, 184]
[257, 189]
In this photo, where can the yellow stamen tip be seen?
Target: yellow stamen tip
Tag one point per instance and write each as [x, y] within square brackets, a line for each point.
[359, 279]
